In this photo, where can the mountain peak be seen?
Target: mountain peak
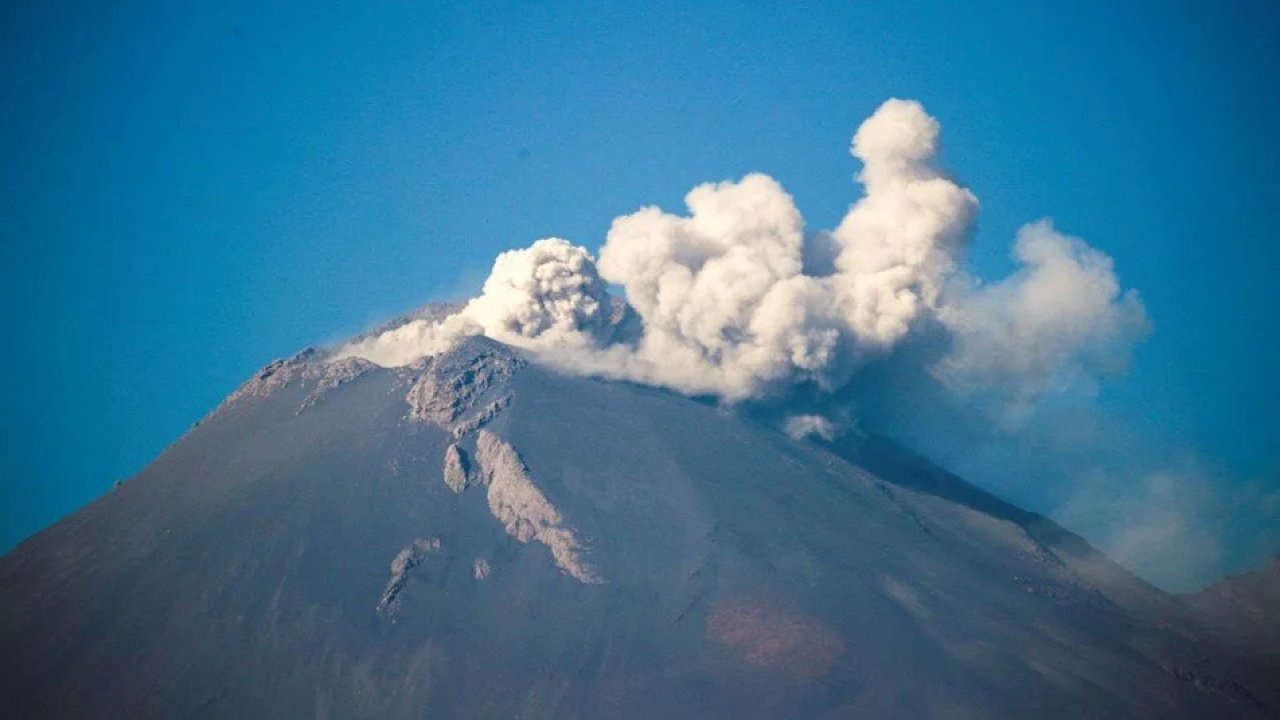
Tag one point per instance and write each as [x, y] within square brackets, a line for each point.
[475, 534]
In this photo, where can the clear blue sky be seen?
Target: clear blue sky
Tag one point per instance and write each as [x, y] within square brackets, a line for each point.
[189, 190]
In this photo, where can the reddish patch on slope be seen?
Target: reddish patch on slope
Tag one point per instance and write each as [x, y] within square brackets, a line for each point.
[774, 636]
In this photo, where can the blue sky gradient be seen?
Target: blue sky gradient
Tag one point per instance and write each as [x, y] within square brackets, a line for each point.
[188, 190]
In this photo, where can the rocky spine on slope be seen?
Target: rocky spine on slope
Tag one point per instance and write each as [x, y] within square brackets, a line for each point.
[405, 561]
[524, 511]
[457, 469]
[305, 367]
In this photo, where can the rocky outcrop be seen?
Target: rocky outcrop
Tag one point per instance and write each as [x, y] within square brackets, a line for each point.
[457, 469]
[330, 376]
[524, 511]
[405, 561]
[277, 374]
[460, 380]
[309, 368]
[481, 417]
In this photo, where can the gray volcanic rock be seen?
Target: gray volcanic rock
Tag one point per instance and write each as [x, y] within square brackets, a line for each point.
[408, 559]
[457, 469]
[524, 511]
[615, 551]
[457, 383]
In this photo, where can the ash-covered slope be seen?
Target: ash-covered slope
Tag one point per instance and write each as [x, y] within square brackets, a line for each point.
[1246, 608]
[475, 536]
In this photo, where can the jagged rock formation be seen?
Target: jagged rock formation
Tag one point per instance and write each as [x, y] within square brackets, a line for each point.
[525, 513]
[457, 469]
[406, 560]
[305, 368]
[481, 417]
[330, 375]
[244, 573]
[456, 382]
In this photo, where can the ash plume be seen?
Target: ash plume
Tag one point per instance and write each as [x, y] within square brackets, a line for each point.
[723, 305]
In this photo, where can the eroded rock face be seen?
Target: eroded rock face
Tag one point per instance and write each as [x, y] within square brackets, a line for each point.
[330, 376]
[277, 374]
[481, 417]
[524, 511]
[309, 368]
[405, 561]
[457, 469]
[462, 388]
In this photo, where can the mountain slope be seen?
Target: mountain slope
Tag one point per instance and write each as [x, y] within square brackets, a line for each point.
[477, 536]
[1244, 608]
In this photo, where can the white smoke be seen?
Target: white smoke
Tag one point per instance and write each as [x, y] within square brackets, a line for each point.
[899, 243]
[547, 296]
[411, 341]
[1178, 524]
[1063, 316]
[723, 305]
[802, 426]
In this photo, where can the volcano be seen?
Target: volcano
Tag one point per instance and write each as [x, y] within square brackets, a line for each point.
[476, 535]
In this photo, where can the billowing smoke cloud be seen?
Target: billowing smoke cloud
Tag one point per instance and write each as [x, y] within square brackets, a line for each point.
[719, 302]
[549, 295]
[1061, 318]
[724, 306]
[545, 297]
[899, 243]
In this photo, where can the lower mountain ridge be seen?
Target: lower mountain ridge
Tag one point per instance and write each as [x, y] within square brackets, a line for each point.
[475, 535]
